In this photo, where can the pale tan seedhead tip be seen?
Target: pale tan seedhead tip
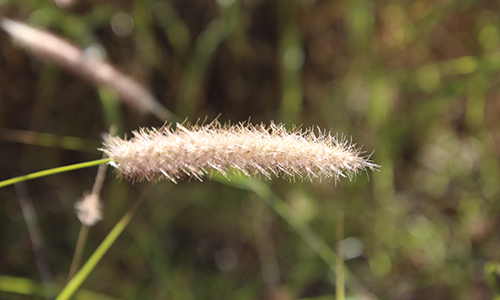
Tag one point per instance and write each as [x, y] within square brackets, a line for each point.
[51, 47]
[89, 209]
[195, 150]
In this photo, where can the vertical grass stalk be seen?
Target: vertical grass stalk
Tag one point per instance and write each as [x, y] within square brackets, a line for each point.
[339, 278]
[75, 283]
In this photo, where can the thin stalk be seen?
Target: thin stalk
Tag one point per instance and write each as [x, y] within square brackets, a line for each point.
[54, 171]
[86, 221]
[316, 242]
[77, 257]
[36, 237]
[75, 283]
[262, 227]
[339, 278]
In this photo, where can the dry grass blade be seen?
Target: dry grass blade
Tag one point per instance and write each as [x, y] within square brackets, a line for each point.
[55, 49]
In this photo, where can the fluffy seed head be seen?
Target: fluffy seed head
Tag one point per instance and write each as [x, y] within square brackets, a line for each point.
[170, 153]
[89, 209]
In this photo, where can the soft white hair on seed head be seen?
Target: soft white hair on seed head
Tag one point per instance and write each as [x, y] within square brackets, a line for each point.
[193, 151]
[89, 209]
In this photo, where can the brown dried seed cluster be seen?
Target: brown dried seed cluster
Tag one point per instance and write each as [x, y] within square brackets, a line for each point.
[170, 153]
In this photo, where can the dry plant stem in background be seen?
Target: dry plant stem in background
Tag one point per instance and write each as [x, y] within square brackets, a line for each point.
[89, 212]
[36, 237]
[170, 153]
[52, 48]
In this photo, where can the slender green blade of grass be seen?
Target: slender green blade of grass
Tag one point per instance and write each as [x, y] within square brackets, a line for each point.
[75, 283]
[318, 244]
[49, 140]
[283, 209]
[54, 171]
[292, 60]
[339, 278]
[111, 107]
[22, 286]
[197, 66]
[28, 287]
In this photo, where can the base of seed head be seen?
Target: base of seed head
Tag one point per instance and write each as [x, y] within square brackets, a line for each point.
[269, 151]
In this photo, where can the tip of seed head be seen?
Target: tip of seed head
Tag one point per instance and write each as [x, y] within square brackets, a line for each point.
[269, 151]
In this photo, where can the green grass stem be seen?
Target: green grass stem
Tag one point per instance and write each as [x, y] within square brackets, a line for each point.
[339, 274]
[77, 257]
[54, 171]
[318, 244]
[75, 283]
[34, 290]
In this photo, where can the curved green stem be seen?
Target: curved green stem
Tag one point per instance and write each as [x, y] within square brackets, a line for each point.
[54, 171]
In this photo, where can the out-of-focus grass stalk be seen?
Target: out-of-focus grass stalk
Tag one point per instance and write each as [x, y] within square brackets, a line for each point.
[55, 49]
[75, 283]
[54, 171]
[476, 95]
[77, 257]
[110, 108]
[324, 251]
[36, 237]
[44, 95]
[291, 60]
[196, 68]
[360, 24]
[176, 30]
[339, 275]
[22, 286]
[492, 273]
[48, 140]
[148, 49]
[89, 212]
[228, 24]
[284, 210]
[236, 36]
[28, 287]
[265, 244]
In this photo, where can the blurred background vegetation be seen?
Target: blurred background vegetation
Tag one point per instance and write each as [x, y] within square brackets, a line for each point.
[415, 80]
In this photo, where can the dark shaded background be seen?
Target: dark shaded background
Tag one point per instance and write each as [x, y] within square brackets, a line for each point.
[415, 80]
